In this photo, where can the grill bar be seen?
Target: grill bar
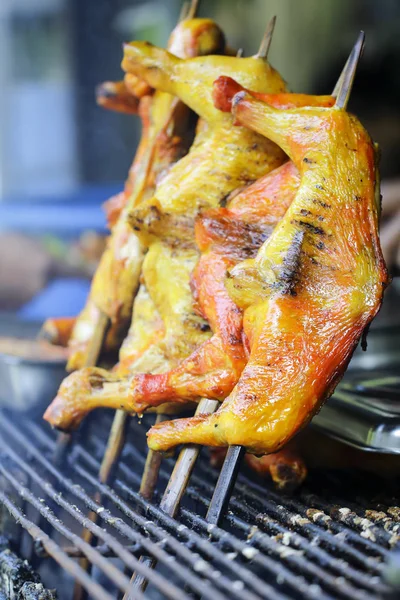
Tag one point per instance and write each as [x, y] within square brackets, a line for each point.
[269, 557]
[190, 537]
[107, 567]
[169, 590]
[313, 551]
[225, 483]
[369, 582]
[96, 590]
[272, 547]
[185, 574]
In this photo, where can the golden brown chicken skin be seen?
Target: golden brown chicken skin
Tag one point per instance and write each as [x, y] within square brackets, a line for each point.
[165, 138]
[222, 158]
[226, 236]
[312, 290]
[203, 178]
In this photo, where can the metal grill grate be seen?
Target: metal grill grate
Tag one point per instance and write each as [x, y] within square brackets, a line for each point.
[317, 544]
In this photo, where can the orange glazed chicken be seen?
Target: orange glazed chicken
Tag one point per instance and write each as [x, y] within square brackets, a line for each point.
[166, 136]
[203, 178]
[311, 291]
[225, 236]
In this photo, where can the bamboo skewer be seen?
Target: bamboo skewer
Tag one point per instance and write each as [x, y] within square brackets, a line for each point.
[193, 9]
[266, 40]
[346, 79]
[184, 12]
[117, 434]
[64, 439]
[176, 487]
[94, 349]
[151, 467]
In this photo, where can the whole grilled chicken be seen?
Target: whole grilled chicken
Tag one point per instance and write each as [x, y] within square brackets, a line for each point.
[225, 237]
[312, 289]
[166, 136]
[202, 179]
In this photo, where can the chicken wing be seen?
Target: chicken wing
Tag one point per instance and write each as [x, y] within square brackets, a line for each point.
[313, 288]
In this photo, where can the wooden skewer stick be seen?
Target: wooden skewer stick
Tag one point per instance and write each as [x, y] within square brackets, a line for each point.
[266, 40]
[184, 12]
[179, 477]
[346, 79]
[184, 466]
[339, 81]
[194, 7]
[235, 454]
[153, 459]
[97, 340]
[64, 439]
[151, 467]
[92, 357]
[176, 487]
[225, 483]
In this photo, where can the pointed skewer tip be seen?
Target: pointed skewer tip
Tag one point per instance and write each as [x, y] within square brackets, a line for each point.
[194, 7]
[266, 40]
[184, 12]
[344, 85]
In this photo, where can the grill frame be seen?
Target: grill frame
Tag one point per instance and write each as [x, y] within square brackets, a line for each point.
[297, 548]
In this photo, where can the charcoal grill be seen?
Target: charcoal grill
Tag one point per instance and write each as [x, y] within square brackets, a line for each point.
[323, 542]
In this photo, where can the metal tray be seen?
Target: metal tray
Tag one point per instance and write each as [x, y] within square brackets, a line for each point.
[29, 385]
[364, 412]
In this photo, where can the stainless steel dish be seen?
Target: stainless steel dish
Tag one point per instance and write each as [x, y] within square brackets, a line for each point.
[29, 385]
[364, 411]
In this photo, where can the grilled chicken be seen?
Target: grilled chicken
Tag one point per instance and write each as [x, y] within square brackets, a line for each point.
[225, 237]
[57, 331]
[202, 179]
[165, 138]
[115, 95]
[312, 289]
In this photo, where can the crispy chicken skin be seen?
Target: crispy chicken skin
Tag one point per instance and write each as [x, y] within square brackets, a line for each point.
[222, 157]
[225, 236]
[202, 179]
[312, 289]
[165, 138]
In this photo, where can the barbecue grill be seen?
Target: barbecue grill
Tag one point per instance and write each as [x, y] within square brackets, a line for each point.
[327, 541]
[133, 525]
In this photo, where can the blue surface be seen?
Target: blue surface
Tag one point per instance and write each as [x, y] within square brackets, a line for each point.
[66, 216]
[60, 298]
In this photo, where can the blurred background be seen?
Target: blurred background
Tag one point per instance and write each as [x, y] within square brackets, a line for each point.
[61, 156]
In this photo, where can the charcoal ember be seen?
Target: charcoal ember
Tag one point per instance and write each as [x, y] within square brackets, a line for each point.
[36, 591]
[14, 572]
